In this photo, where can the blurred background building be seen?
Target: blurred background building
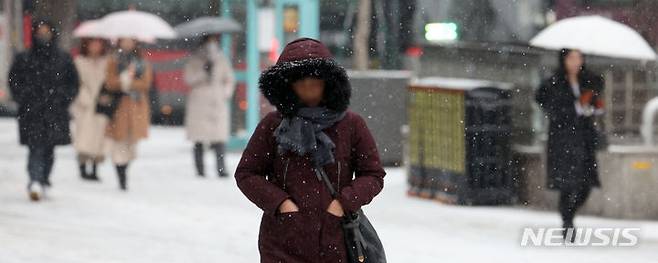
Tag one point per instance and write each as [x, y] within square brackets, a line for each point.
[483, 39]
[470, 39]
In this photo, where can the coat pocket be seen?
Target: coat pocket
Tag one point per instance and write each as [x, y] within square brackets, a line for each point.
[333, 217]
[292, 233]
[332, 242]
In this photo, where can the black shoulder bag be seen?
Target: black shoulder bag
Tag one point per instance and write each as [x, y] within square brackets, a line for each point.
[361, 239]
[108, 101]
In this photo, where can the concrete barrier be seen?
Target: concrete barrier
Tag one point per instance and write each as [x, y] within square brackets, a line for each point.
[629, 182]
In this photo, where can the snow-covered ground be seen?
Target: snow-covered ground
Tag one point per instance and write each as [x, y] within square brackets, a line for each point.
[169, 215]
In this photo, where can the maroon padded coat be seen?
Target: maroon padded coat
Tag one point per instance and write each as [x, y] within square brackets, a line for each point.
[268, 178]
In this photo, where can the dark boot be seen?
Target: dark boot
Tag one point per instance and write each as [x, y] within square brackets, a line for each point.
[83, 170]
[568, 232]
[198, 159]
[567, 212]
[86, 175]
[49, 161]
[94, 169]
[46, 182]
[219, 152]
[121, 172]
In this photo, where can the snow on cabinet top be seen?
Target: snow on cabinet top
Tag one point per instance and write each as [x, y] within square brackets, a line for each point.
[383, 74]
[459, 84]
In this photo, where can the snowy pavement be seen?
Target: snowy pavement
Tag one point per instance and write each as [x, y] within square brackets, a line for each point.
[169, 215]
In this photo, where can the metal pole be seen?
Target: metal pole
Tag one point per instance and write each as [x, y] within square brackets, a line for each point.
[253, 62]
[225, 11]
[309, 24]
[278, 24]
[226, 37]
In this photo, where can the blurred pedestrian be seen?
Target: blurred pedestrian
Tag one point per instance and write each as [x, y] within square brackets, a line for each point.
[130, 73]
[89, 126]
[570, 98]
[311, 131]
[43, 81]
[207, 115]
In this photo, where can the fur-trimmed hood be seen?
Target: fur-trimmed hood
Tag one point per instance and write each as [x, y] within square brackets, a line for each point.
[305, 57]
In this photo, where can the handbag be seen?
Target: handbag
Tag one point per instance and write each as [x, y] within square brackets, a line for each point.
[361, 239]
[108, 101]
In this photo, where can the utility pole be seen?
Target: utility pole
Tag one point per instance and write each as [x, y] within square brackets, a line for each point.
[362, 36]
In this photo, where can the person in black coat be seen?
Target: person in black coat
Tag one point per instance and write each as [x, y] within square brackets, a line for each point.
[43, 81]
[570, 99]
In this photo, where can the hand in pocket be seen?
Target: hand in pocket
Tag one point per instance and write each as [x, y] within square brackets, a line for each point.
[336, 209]
[288, 206]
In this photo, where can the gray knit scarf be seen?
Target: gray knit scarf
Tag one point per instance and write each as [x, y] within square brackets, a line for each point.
[303, 134]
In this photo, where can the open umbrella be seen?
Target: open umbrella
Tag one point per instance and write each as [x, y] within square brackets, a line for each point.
[595, 35]
[207, 25]
[89, 29]
[136, 24]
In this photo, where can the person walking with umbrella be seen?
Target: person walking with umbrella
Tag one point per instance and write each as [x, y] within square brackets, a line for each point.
[43, 82]
[207, 116]
[89, 126]
[129, 73]
[569, 100]
[312, 133]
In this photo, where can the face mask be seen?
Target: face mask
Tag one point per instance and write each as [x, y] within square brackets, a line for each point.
[43, 40]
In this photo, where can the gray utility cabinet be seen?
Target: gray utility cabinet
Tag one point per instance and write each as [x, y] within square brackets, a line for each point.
[380, 97]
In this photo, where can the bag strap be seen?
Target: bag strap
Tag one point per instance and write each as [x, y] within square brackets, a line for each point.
[322, 176]
[350, 221]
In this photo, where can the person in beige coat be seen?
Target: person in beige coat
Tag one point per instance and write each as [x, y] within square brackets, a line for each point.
[88, 125]
[129, 72]
[207, 114]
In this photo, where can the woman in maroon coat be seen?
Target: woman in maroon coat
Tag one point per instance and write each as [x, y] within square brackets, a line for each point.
[311, 129]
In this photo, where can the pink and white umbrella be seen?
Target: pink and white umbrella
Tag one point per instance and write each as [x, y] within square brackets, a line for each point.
[135, 24]
[89, 29]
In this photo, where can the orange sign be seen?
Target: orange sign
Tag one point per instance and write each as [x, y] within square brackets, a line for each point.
[290, 19]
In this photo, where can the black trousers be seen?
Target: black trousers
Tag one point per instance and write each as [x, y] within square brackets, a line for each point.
[40, 162]
[571, 201]
[219, 153]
